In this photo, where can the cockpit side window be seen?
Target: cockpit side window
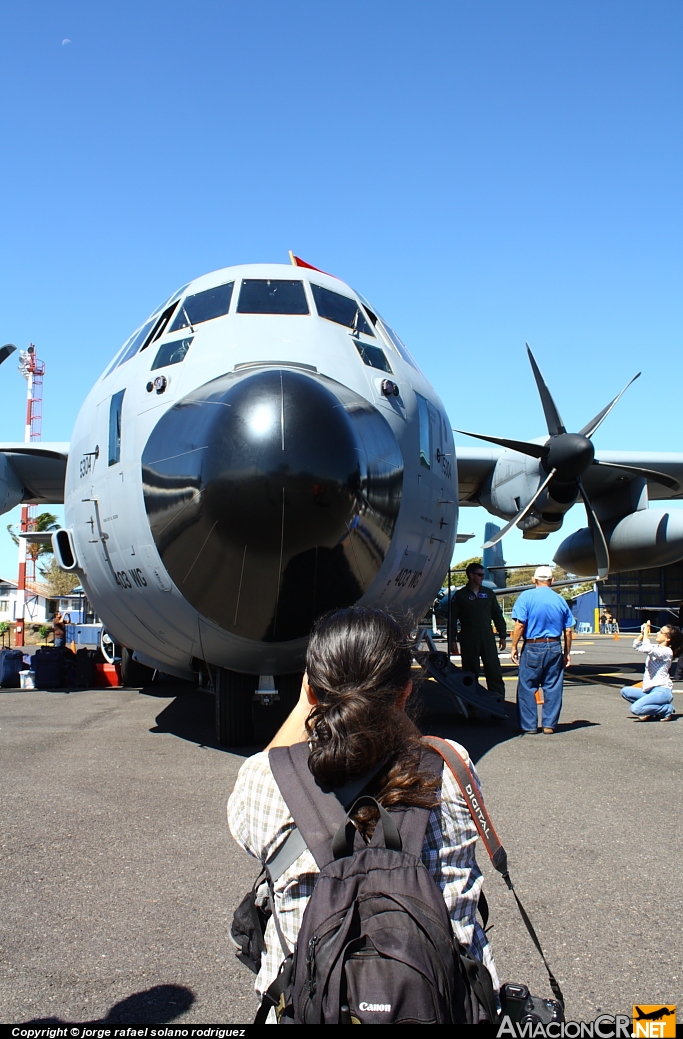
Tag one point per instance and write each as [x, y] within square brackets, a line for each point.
[160, 327]
[172, 299]
[373, 317]
[272, 296]
[398, 343]
[373, 356]
[203, 306]
[172, 353]
[115, 409]
[425, 432]
[388, 333]
[140, 340]
[342, 309]
[134, 343]
[152, 329]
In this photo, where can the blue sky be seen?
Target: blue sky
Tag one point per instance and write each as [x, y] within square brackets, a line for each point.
[485, 173]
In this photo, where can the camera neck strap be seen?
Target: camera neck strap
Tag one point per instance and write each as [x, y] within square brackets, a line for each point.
[496, 852]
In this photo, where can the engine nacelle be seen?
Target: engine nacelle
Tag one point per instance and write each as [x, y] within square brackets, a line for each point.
[651, 537]
[11, 490]
[514, 481]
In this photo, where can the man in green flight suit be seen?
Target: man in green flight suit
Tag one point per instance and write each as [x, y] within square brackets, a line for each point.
[476, 609]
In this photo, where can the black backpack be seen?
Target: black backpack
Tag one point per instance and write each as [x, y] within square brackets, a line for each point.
[376, 944]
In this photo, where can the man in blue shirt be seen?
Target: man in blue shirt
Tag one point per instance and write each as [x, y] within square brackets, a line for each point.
[542, 617]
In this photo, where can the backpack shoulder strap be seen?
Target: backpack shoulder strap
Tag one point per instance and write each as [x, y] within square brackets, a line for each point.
[317, 813]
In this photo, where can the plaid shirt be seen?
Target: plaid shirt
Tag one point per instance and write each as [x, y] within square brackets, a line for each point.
[259, 821]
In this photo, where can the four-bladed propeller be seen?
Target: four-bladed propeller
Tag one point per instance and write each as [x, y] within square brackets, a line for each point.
[565, 457]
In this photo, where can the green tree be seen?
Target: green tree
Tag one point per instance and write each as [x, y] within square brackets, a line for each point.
[515, 578]
[525, 576]
[458, 577]
[45, 522]
[60, 582]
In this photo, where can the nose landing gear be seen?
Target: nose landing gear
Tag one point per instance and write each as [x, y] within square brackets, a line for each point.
[242, 714]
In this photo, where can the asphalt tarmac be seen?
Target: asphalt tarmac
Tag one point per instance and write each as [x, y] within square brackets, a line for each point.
[119, 875]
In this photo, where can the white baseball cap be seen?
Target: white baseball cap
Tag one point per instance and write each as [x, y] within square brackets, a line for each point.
[543, 573]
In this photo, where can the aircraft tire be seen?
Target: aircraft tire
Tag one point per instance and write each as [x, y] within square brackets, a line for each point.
[133, 674]
[234, 694]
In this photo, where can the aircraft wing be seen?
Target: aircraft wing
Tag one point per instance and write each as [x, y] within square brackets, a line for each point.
[516, 589]
[599, 479]
[475, 466]
[40, 468]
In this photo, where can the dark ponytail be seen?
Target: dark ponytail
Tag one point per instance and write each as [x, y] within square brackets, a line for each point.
[358, 663]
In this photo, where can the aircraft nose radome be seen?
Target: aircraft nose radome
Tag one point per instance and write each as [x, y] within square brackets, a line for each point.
[272, 497]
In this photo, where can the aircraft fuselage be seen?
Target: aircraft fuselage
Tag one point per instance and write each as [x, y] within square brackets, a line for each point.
[233, 476]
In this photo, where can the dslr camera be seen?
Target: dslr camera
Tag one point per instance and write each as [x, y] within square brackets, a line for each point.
[519, 1005]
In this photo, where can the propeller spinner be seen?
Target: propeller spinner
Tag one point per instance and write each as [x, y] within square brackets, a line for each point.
[565, 457]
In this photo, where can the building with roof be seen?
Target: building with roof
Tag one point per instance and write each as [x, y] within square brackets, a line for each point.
[41, 604]
[655, 594]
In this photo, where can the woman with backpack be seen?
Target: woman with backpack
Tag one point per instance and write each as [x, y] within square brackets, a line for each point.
[654, 700]
[352, 715]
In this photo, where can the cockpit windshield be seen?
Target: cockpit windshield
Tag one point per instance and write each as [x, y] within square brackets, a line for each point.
[272, 296]
[342, 309]
[203, 306]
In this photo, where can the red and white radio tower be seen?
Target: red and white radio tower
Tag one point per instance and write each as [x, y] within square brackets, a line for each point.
[33, 371]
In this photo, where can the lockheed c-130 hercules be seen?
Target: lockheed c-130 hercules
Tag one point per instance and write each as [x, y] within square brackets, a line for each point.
[264, 448]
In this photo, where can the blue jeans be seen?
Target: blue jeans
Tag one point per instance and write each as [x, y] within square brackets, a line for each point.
[656, 702]
[541, 666]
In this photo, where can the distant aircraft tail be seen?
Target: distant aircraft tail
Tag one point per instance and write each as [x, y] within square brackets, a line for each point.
[493, 557]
